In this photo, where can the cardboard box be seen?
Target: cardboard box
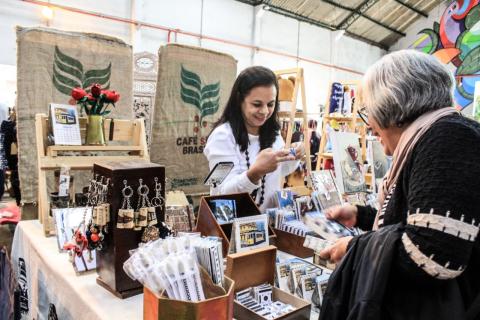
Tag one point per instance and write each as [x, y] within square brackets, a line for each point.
[207, 225]
[216, 307]
[253, 268]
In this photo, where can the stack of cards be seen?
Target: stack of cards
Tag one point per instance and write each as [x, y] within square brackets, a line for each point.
[316, 244]
[299, 277]
[171, 265]
[210, 257]
[259, 300]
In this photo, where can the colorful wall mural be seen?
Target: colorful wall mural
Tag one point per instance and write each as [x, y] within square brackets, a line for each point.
[455, 40]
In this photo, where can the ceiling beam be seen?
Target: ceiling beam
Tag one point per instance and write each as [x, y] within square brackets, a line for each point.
[289, 14]
[412, 8]
[363, 15]
[353, 16]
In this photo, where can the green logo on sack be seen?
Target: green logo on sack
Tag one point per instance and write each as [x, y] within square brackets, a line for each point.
[68, 74]
[205, 98]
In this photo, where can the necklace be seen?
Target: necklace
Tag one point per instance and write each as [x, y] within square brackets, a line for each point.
[262, 188]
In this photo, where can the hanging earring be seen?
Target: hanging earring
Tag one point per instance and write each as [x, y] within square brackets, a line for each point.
[125, 214]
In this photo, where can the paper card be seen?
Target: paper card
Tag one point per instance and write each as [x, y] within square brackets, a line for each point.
[251, 232]
[347, 157]
[65, 124]
[324, 184]
[224, 210]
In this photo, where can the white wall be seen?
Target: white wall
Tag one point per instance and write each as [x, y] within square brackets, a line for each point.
[225, 19]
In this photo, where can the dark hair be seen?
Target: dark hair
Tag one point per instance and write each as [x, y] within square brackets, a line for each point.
[248, 79]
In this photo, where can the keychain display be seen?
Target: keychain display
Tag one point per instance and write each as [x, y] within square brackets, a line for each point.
[98, 225]
[125, 219]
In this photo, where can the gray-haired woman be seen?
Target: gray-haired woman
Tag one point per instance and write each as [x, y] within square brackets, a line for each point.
[422, 259]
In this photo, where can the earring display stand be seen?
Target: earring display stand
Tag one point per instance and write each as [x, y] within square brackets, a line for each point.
[120, 241]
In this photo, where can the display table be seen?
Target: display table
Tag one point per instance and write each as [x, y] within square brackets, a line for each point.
[50, 278]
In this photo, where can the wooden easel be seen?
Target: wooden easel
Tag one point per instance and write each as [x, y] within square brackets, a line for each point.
[353, 122]
[293, 114]
[131, 132]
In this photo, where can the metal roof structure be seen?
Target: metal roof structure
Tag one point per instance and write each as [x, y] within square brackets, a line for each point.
[377, 22]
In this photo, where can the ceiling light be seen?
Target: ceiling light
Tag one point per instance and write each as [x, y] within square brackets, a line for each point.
[339, 34]
[47, 12]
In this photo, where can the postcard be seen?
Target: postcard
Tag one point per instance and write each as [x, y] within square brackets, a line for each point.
[251, 232]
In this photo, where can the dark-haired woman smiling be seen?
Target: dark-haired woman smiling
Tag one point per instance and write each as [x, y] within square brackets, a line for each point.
[247, 134]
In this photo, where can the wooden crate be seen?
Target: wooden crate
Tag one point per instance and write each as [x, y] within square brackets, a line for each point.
[256, 267]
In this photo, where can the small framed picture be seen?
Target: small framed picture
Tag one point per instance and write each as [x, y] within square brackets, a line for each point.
[251, 232]
[224, 210]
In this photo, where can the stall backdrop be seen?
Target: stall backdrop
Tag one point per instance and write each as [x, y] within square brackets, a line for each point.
[192, 89]
[49, 64]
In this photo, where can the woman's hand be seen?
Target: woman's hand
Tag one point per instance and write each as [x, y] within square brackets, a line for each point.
[345, 214]
[335, 252]
[299, 148]
[267, 161]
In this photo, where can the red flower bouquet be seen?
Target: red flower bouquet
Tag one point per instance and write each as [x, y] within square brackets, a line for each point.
[97, 101]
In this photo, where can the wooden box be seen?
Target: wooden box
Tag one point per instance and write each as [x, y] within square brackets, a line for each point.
[292, 244]
[207, 225]
[162, 308]
[253, 268]
[120, 241]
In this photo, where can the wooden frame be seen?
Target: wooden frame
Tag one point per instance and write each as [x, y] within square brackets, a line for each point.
[293, 114]
[131, 132]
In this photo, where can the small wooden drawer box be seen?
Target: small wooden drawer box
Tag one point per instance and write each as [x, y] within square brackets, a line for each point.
[207, 225]
[256, 267]
[215, 308]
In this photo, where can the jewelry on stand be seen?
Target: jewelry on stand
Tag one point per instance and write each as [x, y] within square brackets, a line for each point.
[125, 213]
[143, 204]
[157, 201]
[100, 215]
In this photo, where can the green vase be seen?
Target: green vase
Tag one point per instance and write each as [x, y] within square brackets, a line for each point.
[95, 134]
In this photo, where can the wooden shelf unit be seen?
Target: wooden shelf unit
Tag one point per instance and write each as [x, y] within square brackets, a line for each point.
[131, 132]
[353, 122]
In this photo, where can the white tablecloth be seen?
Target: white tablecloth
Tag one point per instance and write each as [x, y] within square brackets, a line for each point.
[50, 278]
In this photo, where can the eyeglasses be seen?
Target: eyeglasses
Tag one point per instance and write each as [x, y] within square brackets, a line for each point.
[363, 115]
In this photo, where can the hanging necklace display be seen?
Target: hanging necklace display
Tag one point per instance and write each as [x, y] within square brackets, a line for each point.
[254, 194]
[125, 213]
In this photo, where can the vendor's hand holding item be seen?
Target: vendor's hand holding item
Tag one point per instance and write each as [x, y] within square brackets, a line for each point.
[297, 150]
[267, 161]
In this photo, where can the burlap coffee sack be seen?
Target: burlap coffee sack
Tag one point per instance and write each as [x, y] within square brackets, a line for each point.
[192, 89]
[49, 63]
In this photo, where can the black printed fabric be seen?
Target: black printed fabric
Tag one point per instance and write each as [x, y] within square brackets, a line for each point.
[436, 206]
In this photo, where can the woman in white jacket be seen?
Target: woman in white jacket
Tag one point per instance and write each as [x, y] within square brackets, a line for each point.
[248, 134]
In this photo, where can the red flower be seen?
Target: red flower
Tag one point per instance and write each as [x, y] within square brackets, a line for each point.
[96, 90]
[90, 97]
[111, 96]
[78, 93]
